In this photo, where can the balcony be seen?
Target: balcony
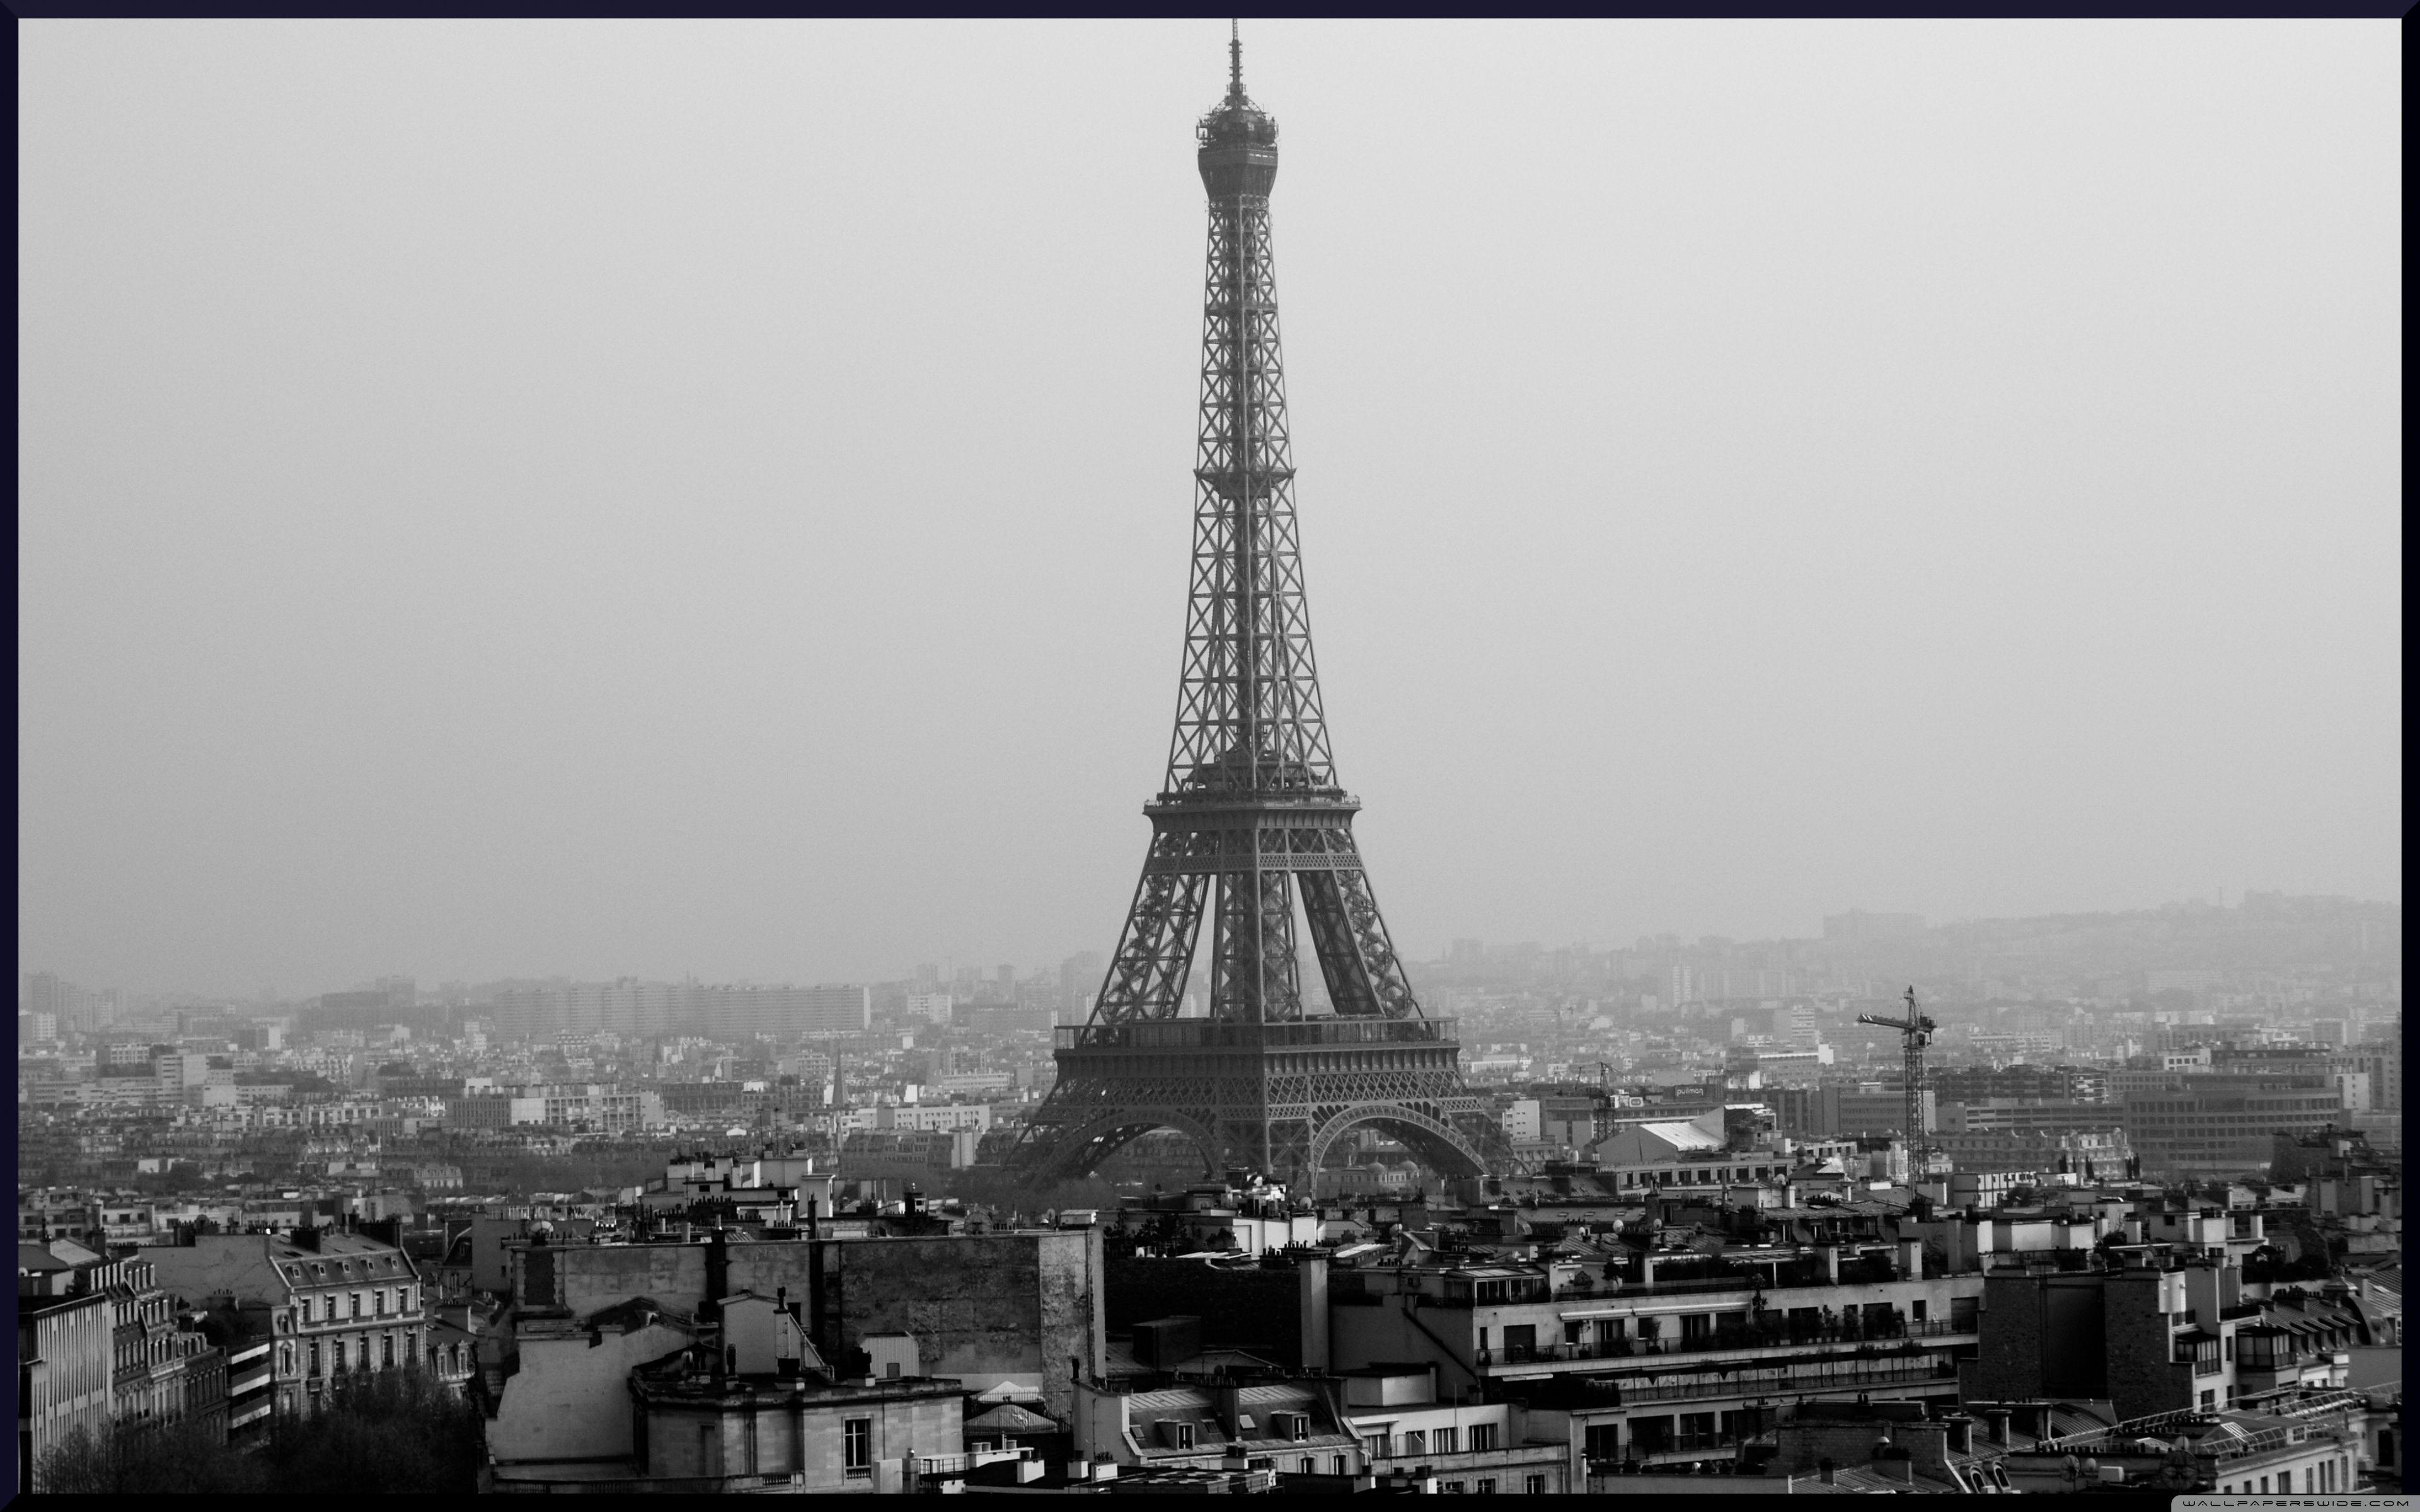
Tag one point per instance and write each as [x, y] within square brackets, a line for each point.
[1730, 1341]
[1699, 1443]
[1781, 1275]
[1936, 1372]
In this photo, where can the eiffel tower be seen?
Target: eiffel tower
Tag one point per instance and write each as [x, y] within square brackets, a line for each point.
[1252, 812]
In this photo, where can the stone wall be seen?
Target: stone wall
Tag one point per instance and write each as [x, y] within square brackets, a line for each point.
[986, 1308]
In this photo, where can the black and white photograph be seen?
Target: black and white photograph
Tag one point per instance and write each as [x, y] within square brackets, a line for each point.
[680, 831]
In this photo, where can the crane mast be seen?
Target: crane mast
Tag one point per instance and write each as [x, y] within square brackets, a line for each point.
[1914, 1033]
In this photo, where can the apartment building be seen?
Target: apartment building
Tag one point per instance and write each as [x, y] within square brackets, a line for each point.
[1661, 1358]
[65, 1375]
[337, 1305]
[2216, 1123]
[1477, 1448]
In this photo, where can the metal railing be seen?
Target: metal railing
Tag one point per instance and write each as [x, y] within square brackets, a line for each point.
[1799, 1383]
[1214, 1034]
[2168, 1424]
[1773, 1276]
[1726, 1340]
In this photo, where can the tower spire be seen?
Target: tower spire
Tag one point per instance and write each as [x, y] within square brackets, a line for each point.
[1235, 58]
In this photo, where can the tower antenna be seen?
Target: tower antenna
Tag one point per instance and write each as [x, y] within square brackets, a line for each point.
[1234, 57]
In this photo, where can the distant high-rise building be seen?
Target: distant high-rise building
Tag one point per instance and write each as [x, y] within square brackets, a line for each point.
[73, 1005]
[735, 1012]
[1080, 973]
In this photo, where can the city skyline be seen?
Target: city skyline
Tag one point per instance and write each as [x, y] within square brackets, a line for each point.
[1027, 964]
[427, 560]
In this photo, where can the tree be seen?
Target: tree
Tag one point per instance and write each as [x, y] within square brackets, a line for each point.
[401, 1431]
[177, 1459]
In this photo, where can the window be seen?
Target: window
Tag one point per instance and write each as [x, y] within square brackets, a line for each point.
[356, 1298]
[1454, 1487]
[285, 1359]
[1308, 1466]
[1915, 1309]
[1487, 1488]
[377, 1301]
[386, 1351]
[314, 1367]
[1482, 1438]
[1338, 1466]
[1445, 1440]
[1413, 1443]
[1534, 1485]
[857, 1444]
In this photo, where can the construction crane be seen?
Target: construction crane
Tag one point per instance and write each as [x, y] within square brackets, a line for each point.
[1914, 1033]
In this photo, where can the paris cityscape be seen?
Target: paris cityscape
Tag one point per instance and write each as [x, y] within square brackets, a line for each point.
[1999, 1149]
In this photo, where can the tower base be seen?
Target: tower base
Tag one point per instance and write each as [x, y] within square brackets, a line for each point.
[1271, 1097]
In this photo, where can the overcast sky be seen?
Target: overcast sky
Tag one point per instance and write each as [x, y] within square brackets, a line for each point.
[519, 498]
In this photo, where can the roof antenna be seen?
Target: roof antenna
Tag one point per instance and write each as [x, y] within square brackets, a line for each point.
[1235, 58]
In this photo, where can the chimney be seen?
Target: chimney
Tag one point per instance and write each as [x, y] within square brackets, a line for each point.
[718, 1265]
[813, 1321]
[1910, 1259]
[1229, 1400]
[1828, 1258]
[1998, 1418]
[1824, 1468]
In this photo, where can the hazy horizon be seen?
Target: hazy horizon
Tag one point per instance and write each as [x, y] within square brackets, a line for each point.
[662, 499]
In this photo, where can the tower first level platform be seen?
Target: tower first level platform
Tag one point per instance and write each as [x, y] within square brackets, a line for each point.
[1269, 1097]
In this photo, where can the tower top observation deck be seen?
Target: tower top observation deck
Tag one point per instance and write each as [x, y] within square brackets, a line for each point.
[1239, 140]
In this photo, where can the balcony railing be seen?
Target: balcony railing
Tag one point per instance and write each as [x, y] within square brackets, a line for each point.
[1695, 1443]
[1211, 1034]
[1790, 1384]
[1840, 1331]
[1769, 1276]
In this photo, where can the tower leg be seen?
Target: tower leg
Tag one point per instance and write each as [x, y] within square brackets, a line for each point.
[1146, 980]
[1253, 970]
[1355, 954]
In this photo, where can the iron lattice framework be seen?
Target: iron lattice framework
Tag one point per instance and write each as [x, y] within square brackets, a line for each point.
[1914, 1032]
[1250, 815]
